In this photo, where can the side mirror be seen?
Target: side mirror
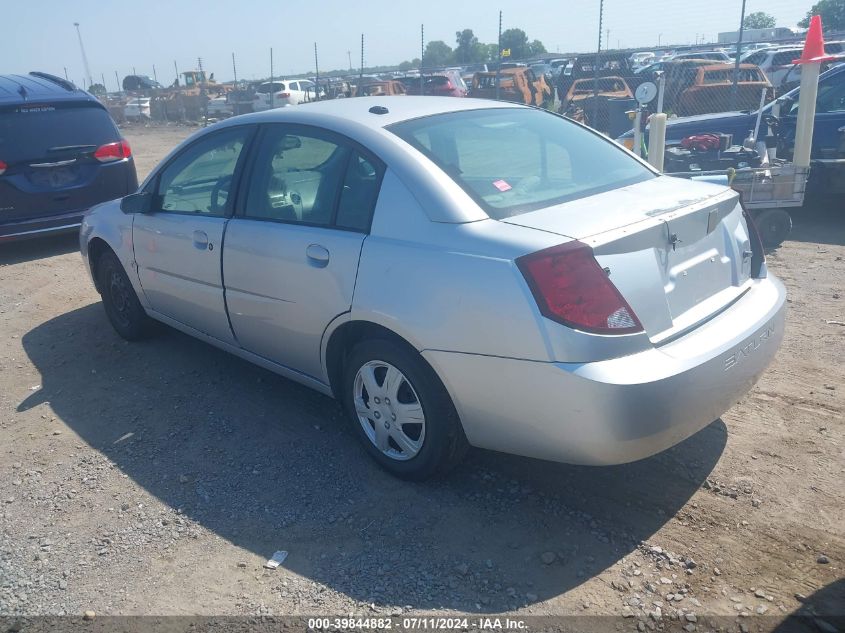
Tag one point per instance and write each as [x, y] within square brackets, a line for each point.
[141, 202]
[291, 142]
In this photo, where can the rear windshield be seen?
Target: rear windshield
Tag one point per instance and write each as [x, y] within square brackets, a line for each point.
[35, 131]
[268, 88]
[516, 160]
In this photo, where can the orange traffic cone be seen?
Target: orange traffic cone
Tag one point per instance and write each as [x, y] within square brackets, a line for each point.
[814, 44]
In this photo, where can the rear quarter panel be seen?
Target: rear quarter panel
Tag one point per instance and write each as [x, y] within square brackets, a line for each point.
[448, 286]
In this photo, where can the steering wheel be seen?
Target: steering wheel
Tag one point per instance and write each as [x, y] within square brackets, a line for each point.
[222, 185]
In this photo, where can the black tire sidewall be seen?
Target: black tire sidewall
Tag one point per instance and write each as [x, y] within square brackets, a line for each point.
[777, 219]
[137, 318]
[444, 442]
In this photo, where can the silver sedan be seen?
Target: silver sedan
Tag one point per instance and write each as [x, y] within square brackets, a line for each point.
[456, 272]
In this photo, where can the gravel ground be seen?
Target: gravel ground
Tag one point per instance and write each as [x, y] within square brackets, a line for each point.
[158, 477]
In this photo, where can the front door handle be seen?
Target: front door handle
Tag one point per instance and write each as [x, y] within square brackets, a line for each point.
[319, 255]
[201, 241]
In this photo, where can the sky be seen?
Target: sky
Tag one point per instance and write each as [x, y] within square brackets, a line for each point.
[120, 36]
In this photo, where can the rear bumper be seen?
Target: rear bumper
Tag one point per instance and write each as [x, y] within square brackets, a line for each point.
[41, 227]
[619, 410]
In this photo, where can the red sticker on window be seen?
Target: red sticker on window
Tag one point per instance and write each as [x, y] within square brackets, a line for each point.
[501, 185]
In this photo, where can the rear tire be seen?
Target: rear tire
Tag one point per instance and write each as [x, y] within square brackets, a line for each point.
[401, 411]
[773, 225]
[123, 309]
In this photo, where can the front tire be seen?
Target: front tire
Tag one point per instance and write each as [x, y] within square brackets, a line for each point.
[123, 309]
[401, 411]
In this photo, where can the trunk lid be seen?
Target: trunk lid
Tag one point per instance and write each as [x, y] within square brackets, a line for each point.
[677, 250]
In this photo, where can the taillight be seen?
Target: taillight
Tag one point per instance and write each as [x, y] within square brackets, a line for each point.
[571, 288]
[113, 151]
[2, 167]
[282, 95]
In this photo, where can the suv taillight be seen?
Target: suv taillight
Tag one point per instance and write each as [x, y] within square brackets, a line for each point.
[113, 151]
[282, 95]
[2, 167]
[571, 288]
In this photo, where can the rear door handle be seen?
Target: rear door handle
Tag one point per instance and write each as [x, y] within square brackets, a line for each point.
[201, 241]
[319, 255]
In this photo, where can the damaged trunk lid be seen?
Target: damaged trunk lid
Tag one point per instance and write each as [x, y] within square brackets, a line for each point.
[677, 250]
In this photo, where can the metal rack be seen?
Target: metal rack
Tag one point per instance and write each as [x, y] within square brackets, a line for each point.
[777, 186]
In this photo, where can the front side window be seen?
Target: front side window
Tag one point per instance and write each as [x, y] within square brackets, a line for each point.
[199, 179]
[306, 176]
[514, 160]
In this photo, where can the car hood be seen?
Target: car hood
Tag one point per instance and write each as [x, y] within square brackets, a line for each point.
[701, 123]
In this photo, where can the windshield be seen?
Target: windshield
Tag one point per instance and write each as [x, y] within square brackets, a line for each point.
[515, 160]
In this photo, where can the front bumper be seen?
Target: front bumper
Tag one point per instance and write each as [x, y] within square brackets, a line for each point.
[619, 410]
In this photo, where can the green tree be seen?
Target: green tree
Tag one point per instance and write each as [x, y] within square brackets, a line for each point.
[97, 89]
[759, 20]
[832, 12]
[536, 48]
[437, 53]
[516, 41]
[468, 48]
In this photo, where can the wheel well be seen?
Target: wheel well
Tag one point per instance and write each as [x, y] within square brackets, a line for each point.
[345, 337]
[96, 248]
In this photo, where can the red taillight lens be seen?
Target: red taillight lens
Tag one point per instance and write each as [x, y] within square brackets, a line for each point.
[282, 95]
[2, 167]
[571, 288]
[113, 151]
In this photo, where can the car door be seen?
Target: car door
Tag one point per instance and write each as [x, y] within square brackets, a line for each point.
[291, 254]
[178, 245]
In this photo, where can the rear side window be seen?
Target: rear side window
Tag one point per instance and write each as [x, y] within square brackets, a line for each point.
[268, 88]
[38, 131]
[515, 160]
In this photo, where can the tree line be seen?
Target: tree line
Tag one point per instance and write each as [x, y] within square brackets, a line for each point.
[469, 50]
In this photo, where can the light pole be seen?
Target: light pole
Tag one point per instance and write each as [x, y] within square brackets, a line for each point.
[659, 35]
[738, 55]
[84, 57]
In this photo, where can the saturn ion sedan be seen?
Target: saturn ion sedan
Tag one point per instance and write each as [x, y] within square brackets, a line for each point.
[456, 272]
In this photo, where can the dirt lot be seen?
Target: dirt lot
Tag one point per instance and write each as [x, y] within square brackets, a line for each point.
[158, 477]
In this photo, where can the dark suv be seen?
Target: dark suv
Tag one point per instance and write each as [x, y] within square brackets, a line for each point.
[60, 154]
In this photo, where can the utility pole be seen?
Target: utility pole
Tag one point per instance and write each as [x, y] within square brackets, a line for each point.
[349, 57]
[203, 100]
[317, 75]
[272, 92]
[84, 57]
[155, 76]
[234, 69]
[361, 74]
[103, 77]
[176, 68]
[117, 81]
[738, 55]
[499, 56]
[422, 57]
[596, 67]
